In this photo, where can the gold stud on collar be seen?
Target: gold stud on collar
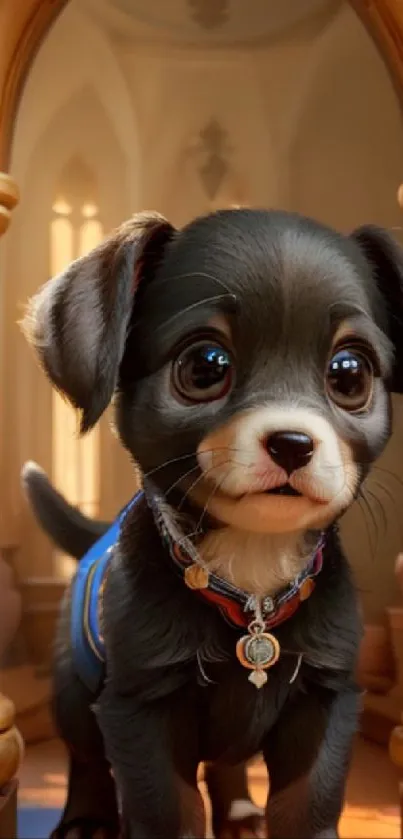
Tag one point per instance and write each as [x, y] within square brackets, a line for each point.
[196, 577]
[306, 589]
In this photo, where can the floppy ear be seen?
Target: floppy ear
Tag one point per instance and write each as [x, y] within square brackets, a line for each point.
[78, 322]
[385, 257]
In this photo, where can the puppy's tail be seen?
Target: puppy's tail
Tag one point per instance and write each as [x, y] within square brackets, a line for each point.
[71, 531]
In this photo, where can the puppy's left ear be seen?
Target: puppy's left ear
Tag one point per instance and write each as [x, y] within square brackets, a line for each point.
[385, 258]
[78, 322]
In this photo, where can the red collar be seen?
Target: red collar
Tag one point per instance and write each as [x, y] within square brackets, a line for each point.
[236, 605]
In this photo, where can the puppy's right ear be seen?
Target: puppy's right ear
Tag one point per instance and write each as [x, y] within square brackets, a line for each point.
[385, 259]
[78, 322]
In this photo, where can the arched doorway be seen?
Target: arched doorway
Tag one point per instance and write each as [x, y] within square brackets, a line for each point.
[25, 28]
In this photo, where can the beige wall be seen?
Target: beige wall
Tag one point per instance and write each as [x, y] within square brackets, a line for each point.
[311, 124]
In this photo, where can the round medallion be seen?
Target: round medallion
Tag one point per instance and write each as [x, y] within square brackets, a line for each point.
[258, 652]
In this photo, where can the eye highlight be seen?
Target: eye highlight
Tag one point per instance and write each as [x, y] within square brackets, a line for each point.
[350, 379]
[203, 372]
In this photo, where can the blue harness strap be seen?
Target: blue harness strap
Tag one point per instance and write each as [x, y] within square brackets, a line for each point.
[86, 635]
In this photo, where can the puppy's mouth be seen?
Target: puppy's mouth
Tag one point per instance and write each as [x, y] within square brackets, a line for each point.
[285, 489]
[277, 510]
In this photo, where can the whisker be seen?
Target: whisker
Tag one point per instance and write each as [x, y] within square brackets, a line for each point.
[192, 486]
[208, 471]
[215, 489]
[185, 457]
[200, 274]
[213, 299]
[200, 477]
[366, 507]
[197, 531]
[374, 467]
[380, 506]
[168, 463]
[189, 472]
[391, 497]
[388, 472]
[373, 518]
[181, 478]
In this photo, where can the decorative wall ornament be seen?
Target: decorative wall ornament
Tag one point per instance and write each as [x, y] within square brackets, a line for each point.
[215, 150]
[209, 14]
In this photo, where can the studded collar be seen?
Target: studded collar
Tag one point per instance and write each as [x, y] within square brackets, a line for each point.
[237, 606]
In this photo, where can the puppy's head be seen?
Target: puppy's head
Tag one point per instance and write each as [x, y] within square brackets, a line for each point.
[252, 355]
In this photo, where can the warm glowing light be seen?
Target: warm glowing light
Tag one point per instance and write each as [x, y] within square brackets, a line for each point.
[75, 460]
[61, 244]
[61, 207]
[90, 235]
[89, 210]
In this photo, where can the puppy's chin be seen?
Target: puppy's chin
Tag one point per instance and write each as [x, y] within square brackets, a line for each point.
[262, 513]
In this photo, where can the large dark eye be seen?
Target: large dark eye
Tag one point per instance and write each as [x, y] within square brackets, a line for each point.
[203, 372]
[350, 380]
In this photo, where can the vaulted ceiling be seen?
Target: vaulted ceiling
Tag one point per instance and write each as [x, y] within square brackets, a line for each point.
[208, 22]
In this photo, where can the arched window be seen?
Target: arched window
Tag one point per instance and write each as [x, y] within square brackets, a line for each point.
[75, 229]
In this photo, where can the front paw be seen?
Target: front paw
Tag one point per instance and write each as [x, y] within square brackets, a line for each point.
[244, 821]
[85, 829]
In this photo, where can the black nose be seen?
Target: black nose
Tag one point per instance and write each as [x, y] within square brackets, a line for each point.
[290, 449]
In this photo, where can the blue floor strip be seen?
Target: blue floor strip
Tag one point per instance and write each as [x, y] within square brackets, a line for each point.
[36, 822]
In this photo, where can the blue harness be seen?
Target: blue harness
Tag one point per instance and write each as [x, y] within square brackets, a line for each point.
[86, 633]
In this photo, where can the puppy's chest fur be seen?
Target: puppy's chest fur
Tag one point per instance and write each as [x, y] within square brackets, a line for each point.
[165, 644]
[259, 563]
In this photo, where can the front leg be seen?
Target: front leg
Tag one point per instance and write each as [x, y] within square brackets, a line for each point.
[153, 753]
[307, 756]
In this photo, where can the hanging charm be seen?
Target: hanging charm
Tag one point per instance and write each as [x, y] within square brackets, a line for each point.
[258, 651]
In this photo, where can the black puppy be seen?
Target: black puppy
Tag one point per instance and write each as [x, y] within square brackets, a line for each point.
[252, 355]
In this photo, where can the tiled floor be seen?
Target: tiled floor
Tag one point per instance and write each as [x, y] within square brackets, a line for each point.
[371, 809]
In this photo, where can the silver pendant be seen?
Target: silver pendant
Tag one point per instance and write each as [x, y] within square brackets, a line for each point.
[258, 651]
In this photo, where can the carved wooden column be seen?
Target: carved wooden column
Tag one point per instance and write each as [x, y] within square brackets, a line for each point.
[11, 752]
[11, 744]
[23, 26]
[9, 197]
